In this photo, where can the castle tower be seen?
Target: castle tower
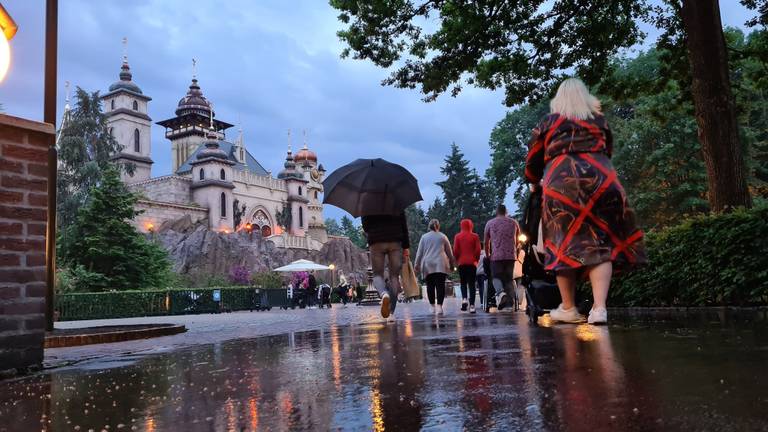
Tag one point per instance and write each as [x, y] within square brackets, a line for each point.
[126, 109]
[297, 196]
[313, 173]
[212, 183]
[189, 129]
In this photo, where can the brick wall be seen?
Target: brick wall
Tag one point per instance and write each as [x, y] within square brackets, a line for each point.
[23, 200]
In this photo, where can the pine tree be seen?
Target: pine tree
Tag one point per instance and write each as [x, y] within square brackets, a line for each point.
[460, 192]
[85, 146]
[102, 242]
[353, 232]
[417, 225]
[332, 227]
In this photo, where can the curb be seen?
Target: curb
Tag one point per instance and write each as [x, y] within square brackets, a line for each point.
[52, 341]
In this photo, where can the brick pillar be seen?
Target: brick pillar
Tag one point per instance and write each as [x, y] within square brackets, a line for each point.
[23, 201]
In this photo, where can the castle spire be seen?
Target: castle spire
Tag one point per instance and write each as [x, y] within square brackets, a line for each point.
[289, 141]
[194, 69]
[125, 50]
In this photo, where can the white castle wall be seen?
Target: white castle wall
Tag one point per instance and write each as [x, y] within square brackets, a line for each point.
[155, 213]
[172, 189]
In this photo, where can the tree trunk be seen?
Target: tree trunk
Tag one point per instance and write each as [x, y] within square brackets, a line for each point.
[714, 106]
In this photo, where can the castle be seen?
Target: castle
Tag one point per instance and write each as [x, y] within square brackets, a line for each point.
[213, 180]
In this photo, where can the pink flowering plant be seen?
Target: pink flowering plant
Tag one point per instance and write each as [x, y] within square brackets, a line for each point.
[300, 279]
[240, 275]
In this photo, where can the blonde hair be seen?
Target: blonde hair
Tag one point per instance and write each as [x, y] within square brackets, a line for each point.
[574, 101]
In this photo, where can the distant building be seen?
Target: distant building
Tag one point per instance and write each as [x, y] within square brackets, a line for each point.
[212, 179]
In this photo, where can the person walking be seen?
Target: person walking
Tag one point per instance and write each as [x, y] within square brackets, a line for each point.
[434, 260]
[312, 289]
[587, 224]
[480, 276]
[466, 250]
[387, 240]
[500, 238]
[343, 288]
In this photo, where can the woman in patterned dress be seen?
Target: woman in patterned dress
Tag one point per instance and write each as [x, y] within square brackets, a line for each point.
[588, 227]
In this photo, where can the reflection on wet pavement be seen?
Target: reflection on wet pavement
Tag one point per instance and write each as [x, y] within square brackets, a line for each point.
[483, 372]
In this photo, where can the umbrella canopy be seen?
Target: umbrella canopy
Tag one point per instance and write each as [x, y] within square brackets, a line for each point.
[368, 187]
[301, 265]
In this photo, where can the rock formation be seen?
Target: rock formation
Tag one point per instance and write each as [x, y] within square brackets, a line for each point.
[197, 251]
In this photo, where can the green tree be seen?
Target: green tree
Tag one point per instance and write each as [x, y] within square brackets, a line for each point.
[417, 226]
[102, 242]
[85, 147]
[353, 232]
[332, 227]
[283, 217]
[459, 191]
[509, 148]
[528, 46]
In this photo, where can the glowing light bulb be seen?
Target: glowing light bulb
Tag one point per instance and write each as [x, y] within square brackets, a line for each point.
[5, 57]
[522, 238]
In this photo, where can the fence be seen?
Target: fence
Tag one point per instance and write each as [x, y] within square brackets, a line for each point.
[126, 304]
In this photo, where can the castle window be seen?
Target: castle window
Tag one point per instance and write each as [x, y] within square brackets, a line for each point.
[222, 174]
[316, 195]
[135, 106]
[112, 104]
[223, 202]
[301, 217]
[136, 141]
[202, 174]
[299, 190]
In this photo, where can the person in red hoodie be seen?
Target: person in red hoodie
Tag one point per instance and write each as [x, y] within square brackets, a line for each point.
[466, 249]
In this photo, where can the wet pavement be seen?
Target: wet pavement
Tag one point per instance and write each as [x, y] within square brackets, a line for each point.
[702, 371]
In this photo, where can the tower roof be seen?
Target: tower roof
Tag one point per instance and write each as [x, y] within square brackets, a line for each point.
[194, 101]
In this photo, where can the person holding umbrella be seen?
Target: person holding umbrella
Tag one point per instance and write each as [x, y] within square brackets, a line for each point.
[378, 191]
[387, 239]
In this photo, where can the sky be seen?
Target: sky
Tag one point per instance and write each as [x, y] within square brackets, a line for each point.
[267, 66]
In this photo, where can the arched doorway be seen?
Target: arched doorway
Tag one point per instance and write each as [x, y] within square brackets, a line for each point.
[260, 222]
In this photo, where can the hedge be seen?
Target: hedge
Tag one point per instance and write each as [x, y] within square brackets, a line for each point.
[125, 304]
[710, 260]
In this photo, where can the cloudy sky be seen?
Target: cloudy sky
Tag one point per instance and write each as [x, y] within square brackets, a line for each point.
[269, 66]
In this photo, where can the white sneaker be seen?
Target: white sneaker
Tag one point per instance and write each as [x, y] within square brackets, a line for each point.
[598, 316]
[501, 301]
[566, 315]
[432, 309]
[439, 309]
[472, 309]
[385, 306]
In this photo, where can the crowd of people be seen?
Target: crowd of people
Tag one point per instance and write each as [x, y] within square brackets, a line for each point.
[587, 228]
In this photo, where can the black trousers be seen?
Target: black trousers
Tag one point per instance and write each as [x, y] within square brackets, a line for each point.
[467, 277]
[436, 285]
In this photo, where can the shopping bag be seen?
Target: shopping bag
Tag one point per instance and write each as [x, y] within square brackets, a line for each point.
[408, 280]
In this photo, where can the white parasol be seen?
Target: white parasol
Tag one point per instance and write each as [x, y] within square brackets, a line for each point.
[301, 265]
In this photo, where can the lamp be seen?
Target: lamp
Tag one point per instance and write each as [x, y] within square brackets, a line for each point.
[8, 27]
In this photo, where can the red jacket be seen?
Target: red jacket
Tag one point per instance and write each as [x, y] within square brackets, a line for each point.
[466, 245]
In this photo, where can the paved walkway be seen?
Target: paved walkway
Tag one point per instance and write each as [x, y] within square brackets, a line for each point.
[347, 369]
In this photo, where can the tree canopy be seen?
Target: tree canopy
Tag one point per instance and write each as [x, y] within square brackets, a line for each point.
[104, 250]
[85, 147]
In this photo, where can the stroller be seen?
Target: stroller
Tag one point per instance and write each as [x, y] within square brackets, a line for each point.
[540, 285]
[324, 296]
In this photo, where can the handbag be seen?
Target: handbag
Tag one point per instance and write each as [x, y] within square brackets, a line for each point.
[408, 281]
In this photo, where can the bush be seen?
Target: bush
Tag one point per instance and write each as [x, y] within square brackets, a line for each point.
[705, 261]
[239, 275]
[267, 279]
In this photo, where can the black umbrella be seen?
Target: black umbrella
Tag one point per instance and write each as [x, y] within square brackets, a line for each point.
[371, 187]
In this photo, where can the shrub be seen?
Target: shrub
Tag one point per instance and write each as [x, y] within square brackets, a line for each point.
[707, 260]
[267, 279]
[239, 275]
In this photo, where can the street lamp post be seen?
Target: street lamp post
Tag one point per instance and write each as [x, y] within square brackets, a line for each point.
[49, 116]
[332, 267]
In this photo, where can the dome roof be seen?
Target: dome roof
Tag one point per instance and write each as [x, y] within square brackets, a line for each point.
[194, 101]
[212, 149]
[125, 82]
[290, 169]
[306, 154]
